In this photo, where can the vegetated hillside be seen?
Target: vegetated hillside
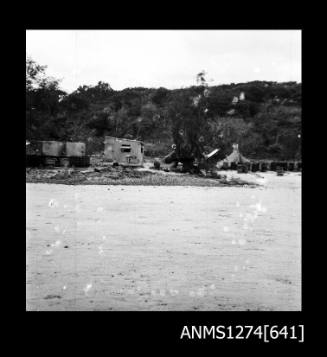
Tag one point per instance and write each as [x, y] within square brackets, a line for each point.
[263, 117]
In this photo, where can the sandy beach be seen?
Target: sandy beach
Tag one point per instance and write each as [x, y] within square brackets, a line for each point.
[102, 247]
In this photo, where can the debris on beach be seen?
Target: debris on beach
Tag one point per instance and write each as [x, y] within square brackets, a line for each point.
[118, 175]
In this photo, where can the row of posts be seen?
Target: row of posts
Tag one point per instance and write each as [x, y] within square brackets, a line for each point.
[295, 166]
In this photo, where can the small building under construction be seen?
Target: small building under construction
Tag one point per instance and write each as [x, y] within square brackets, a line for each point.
[125, 152]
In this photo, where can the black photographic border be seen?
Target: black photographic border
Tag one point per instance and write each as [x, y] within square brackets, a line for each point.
[163, 328]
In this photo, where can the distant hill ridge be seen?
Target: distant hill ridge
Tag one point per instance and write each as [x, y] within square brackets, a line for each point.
[263, 117]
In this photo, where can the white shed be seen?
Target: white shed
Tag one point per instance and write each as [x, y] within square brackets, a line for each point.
[125, 152]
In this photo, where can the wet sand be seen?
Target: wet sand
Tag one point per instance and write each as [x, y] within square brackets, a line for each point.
[164, 248]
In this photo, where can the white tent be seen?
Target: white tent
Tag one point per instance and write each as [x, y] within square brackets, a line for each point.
[235, 156]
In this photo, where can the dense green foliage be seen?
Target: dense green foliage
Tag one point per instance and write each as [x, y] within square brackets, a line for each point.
[265, 119]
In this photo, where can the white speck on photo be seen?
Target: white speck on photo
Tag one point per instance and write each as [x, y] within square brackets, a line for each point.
[56, 244]
[53, 203]
[87, 288]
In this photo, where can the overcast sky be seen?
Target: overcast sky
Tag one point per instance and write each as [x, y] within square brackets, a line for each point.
[171, 59]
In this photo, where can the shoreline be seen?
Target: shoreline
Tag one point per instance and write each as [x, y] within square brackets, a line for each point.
[129, 177]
